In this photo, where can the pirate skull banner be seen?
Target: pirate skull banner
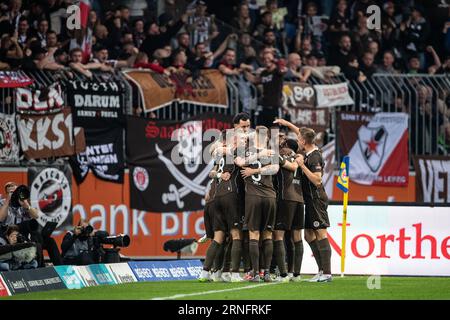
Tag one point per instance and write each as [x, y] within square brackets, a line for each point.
[9, 147]
[51, 194]
[208, 89]
[377, 145]
[103, 154]
[169, 163]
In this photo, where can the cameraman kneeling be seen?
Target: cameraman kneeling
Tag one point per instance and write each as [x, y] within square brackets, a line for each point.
[77, 246]
[13, 237]
[15, 209]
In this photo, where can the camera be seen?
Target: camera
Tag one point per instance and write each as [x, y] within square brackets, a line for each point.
[21, 193]
[103, 237]
[21, 238]
[86, 231]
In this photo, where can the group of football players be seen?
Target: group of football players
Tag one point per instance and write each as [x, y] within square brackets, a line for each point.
[265, 190]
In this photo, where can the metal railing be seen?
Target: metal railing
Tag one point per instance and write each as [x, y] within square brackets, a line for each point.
[426, 98]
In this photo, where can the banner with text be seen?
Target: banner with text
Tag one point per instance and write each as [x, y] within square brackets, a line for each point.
[103, 154]
[333, 95]
[39, 100]
[168, 171]
[299, 95]
[377, 145]
[49, 135]
[92, 101]
[157, 90]
[432, 179]
[166, 270]
[51, 194]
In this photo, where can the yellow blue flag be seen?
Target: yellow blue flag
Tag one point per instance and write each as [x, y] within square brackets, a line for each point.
[342, 182]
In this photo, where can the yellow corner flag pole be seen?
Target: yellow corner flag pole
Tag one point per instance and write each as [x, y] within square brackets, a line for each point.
[342, 183]
[344, 233]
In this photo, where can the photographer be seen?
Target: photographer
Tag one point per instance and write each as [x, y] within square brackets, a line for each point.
[15, 209]
[78, 246]
[13, 237]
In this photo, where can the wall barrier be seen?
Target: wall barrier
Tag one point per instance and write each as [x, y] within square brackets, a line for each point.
[77, 277]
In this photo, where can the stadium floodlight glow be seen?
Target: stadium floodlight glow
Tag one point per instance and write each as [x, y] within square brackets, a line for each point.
[188, 246]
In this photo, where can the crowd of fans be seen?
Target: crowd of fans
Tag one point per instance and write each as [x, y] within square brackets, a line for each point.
[320, 38]
[307, 33]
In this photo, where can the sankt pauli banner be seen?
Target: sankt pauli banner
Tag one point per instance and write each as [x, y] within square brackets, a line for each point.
[167, 161]
[158, 90]
[432, 179]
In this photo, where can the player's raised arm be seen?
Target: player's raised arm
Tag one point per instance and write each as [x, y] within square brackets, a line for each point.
[285, 123]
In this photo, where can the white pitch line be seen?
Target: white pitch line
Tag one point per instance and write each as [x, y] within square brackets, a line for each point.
[177, 296]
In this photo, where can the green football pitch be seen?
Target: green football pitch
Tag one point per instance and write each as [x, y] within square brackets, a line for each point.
[349, 287]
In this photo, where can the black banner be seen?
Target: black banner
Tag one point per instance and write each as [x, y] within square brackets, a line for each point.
[168, 169]
[103, 155]
[91, 101]
[33, 280]
[51, 194]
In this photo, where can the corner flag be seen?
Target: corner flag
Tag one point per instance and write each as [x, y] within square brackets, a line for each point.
[342, 183]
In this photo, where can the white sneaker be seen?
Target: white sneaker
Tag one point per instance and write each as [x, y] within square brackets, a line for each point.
[236, 277]
[316, 277]
[203, 239]
[226, 277]
[325, 278]
[296, 278]
[282, 279]
[290, 275]
[205, 276]
[217, 276]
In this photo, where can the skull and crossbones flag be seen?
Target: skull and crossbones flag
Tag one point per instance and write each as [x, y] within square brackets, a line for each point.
[168, 161]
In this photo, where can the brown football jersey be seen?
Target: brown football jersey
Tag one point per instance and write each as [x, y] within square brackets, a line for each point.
[314, 162]
[258, 184]
[288, 187]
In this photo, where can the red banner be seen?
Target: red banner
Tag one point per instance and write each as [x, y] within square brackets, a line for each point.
[14, 79]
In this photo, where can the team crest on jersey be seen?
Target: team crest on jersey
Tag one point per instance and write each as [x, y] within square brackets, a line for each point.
[50, 193]
[372, 143]
[140, 178]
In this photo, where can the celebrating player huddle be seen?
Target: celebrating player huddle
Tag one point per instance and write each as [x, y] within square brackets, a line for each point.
[264, 190]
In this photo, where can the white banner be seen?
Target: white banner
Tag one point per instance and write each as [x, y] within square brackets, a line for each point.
[332, 95]
[122, 272]
[9, 146]
[389, 240]
[86, 276]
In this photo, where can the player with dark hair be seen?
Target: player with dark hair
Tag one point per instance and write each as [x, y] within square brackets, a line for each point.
[290, 211]
[316, 200]
[258, 167]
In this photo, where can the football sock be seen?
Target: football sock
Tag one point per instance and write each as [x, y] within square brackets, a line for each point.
[211, 255]
[236, 250]
[268, 252]
[325, 255]
[315, 251]
[280, 256]
[254, 255]
[298, 257]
